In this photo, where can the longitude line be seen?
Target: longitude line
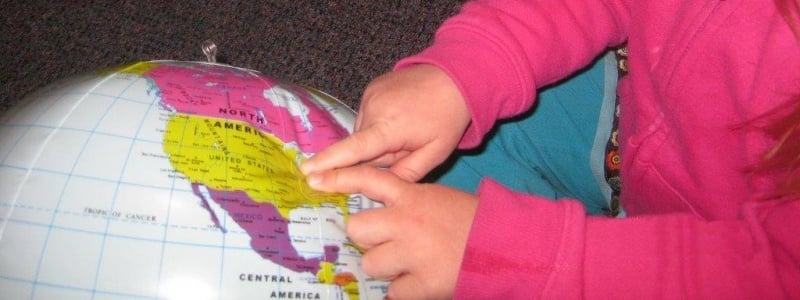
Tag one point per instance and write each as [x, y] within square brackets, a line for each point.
[119, 181]
[66, 183]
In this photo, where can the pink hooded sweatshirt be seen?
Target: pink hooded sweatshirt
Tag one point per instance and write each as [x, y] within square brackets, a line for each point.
[698, 223]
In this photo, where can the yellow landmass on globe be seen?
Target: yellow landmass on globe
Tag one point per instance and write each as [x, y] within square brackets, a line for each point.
[230, 155]
[348, 282]
[139, 68]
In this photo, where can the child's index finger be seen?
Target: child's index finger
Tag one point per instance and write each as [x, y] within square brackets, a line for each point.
[376, 184]
[362, 145]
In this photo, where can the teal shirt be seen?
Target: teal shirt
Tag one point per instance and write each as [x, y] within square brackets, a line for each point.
[555, 150]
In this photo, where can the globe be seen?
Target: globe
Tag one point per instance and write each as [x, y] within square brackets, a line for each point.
[174, 180]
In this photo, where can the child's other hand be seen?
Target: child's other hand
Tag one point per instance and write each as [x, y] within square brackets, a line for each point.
[417, 240]
[410, 120]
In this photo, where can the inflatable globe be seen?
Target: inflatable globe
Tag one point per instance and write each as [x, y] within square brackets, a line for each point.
[174, 180]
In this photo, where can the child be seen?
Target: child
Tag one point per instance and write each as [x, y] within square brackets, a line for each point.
[707, 135]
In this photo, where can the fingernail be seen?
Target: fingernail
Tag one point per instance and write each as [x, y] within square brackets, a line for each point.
[306, 168]
[314, 180]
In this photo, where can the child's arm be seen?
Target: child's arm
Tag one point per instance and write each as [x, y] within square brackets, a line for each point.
[435, 242]
[500, 52]
[523, 246]
[495, 53]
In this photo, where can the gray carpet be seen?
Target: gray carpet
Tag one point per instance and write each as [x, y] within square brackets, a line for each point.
[336, 46]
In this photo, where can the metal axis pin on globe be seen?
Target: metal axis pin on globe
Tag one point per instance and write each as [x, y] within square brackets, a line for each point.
[210, 50]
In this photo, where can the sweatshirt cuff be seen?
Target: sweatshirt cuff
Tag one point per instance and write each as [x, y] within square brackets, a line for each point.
[472, 70]
[522, 247]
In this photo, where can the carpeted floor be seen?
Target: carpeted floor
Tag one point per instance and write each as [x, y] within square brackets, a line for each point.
[336, 46]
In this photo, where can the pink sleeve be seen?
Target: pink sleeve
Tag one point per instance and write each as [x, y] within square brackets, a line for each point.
[500, 52]
[526, 247]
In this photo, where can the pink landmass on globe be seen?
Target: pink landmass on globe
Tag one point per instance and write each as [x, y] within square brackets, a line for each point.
[235, 94]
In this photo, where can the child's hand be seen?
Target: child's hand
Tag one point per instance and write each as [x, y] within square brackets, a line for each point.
[417, 241]
[410, 120]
